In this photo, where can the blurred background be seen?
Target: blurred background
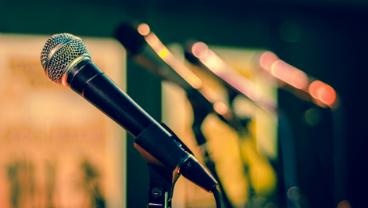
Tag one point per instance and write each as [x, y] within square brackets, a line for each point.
[325, 39]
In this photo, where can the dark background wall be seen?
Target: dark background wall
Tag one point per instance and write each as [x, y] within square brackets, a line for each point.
[326, 39]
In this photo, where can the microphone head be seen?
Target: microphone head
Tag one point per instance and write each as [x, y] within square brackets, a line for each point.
[60, 53]
[127, 34]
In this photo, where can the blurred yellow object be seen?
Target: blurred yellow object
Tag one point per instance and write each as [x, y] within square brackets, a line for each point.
[241, 158]
[233, 156]
[223, 142]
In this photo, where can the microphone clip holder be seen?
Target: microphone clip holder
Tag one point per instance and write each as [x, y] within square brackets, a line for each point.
[161, 186]
[162, 178]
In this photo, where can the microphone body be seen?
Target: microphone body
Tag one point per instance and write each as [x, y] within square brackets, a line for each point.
[92, 84]
[86, 79]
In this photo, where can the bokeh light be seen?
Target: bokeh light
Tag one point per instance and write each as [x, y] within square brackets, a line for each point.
[267, 59]
[200, 50]
[322, 92]
[143, 29]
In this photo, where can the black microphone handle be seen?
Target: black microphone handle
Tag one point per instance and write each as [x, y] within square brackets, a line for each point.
[91, 83]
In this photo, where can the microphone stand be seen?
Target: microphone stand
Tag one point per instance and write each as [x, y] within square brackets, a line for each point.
[161, 186]
[242, 130]
[200, 112]
[208, 161]
[162, 180]
[199, 116]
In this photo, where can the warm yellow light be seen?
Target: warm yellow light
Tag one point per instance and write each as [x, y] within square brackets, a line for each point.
[214, 63]
[143, 29]
[174, 63]
[163, 53]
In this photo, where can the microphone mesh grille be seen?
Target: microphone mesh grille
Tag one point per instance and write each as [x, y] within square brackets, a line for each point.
[70, 48]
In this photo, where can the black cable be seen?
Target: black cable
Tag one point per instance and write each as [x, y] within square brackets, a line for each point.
[217, 195]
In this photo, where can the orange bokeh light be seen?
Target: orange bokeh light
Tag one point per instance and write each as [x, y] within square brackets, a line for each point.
[323, 92]
[297, 78]
[143, 29]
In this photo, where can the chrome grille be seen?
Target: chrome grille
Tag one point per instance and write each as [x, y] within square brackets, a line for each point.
[59, 51]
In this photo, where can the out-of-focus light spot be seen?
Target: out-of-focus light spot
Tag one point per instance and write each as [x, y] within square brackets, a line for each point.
[163, 53]
[267, 59]
[214, 63]
[327, 95]
[231, 77]
[299, 80]
[174, 63]
[151, 39]
[323, 92]
[344, 204]
[320, 91]
[314, 88]
[63, 80]
[280, 70]
[294, 193]
[143, 29]
[289, 74]
[312, 116]
[220, 108]
[199, 49]
[193, 80]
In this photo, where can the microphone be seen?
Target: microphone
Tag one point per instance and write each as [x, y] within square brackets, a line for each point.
[66, 60]
[135, 38]
[199, 54]
[146, 49]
